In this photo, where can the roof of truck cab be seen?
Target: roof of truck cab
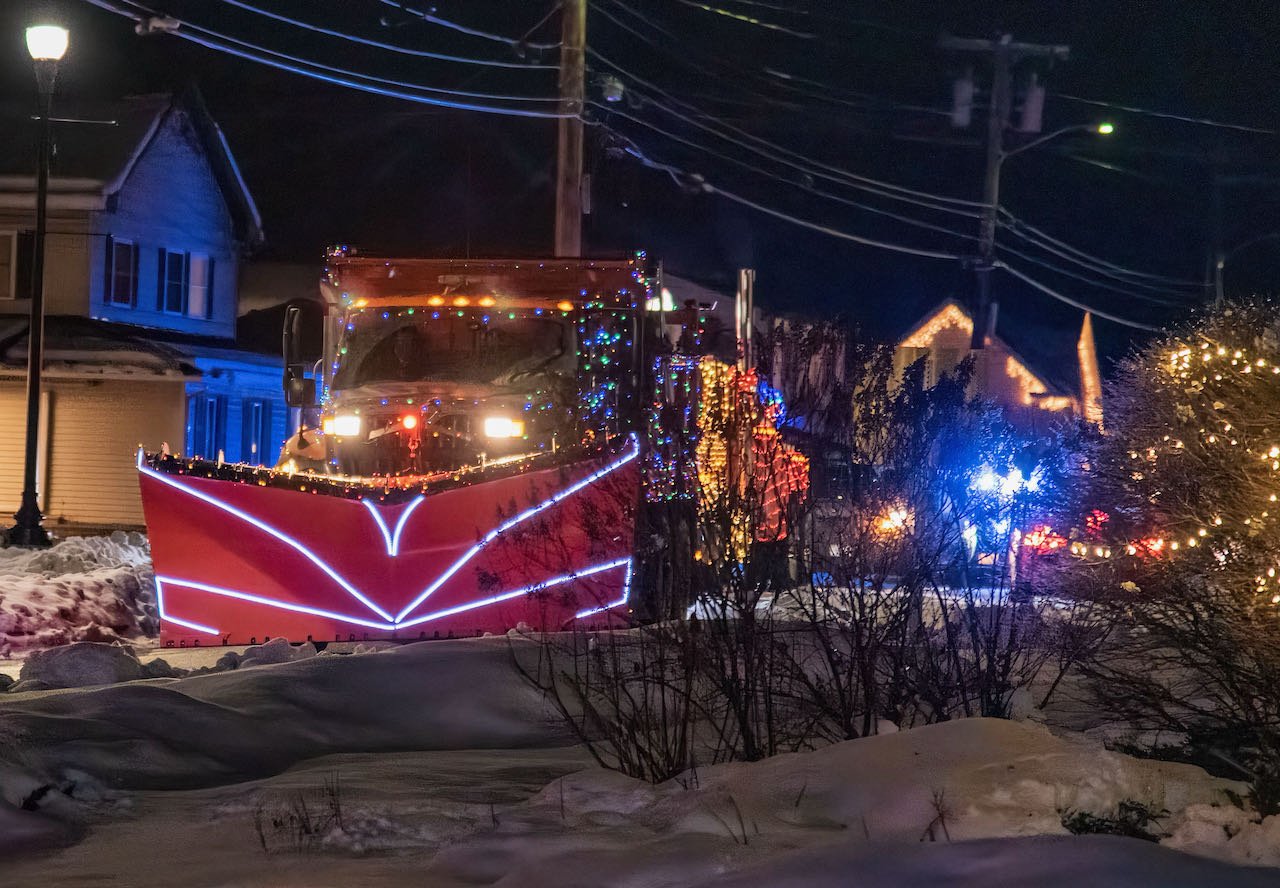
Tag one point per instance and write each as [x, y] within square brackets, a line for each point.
[384, 276]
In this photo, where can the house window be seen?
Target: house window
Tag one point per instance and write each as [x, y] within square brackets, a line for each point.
[8, 264]
[122, 272]
[256, 444]
[199, 284]
[17, 262]
[207, 426]
[186, 283]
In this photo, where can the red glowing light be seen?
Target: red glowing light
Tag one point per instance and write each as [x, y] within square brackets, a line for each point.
[409, 421]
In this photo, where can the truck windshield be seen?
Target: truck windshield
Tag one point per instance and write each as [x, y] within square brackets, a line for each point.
[473, 348]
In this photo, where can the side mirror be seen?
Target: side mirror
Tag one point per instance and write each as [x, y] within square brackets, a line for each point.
[299, 390]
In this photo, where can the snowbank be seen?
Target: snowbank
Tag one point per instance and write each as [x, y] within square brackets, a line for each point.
[496, 795]
[1227, 833]
[218, 728]
[905, 801]
[1040, 862]
[80, 589]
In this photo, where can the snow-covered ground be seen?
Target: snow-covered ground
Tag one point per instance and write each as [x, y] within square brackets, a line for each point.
[448, 770]
[80, 589]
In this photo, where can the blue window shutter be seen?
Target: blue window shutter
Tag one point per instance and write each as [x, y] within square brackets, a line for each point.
[208, 296]
[108, 267]
[160, 279]
[196, 408]
[133, 295]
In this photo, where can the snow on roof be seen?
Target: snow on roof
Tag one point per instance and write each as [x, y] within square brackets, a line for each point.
[83, 346]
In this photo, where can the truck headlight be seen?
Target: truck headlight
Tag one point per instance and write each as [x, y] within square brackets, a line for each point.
[346, 425]
[503, 427]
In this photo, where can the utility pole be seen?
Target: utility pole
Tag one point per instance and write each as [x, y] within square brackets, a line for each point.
[1005, 54]
[573, 40]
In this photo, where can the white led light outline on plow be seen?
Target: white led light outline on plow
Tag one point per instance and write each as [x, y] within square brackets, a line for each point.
[262, 525]
[370, 624]
[507, 525]
[392, 539]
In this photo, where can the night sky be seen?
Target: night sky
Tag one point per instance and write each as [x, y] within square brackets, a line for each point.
[328, 164]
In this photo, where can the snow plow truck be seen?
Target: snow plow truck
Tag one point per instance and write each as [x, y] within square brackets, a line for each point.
[474, 450]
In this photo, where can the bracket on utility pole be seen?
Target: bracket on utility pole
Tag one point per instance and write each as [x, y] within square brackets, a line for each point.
[1005, 53]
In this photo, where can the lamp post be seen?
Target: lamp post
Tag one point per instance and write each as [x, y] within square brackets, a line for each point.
[47, 43]
[984, 322]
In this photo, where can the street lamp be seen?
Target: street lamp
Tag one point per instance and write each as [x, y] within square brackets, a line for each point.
[984, 322]
[1102, 129]
[47, 44]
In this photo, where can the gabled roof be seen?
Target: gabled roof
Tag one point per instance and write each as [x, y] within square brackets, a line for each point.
[93, 158]
[1050, 351]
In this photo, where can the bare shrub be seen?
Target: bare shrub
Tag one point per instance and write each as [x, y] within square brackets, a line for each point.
[300, 821]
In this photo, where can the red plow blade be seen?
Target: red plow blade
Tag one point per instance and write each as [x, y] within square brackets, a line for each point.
[240, 561]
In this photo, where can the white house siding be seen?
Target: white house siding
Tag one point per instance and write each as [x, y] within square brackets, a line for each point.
[68, 253]
[238, 380]
[12, 432]
[94, 431]
[170, 200]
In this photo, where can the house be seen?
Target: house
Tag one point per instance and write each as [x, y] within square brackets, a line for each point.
[1037, 373]
[149, 219]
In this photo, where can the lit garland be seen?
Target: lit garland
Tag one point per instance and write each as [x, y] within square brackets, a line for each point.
[383, 489]
[1208, 374]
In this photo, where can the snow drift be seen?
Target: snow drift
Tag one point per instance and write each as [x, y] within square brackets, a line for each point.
[132, 759]
[226, 726]
[80, 589]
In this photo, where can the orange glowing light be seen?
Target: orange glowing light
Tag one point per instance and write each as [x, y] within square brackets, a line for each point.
[409, 421]
[564, 305]
[486, 301]
[436, 300]
[461, 301]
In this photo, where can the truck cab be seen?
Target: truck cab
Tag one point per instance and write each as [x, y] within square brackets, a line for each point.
[433, 365]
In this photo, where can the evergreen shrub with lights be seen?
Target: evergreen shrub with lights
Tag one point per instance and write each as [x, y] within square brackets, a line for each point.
[1182, 541]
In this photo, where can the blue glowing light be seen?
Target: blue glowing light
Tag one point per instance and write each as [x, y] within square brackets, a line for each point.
[527, 590]
[393, 539]
[370, 624]
[272, 602]
[266, 528]
[626, 594]
[523, 516]
[170, 618]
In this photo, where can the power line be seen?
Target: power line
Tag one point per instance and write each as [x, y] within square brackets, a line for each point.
[944, 203]
[434, 19]
[748, 19]
[339, 78]
[1019, 227]
[391, 47]
[1049, 291]
[682, 178]
[776, 7]
[740, 70]
[1203, 121]
[1057, 269]
[371, 77]
[784, 75]
[762, 172]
